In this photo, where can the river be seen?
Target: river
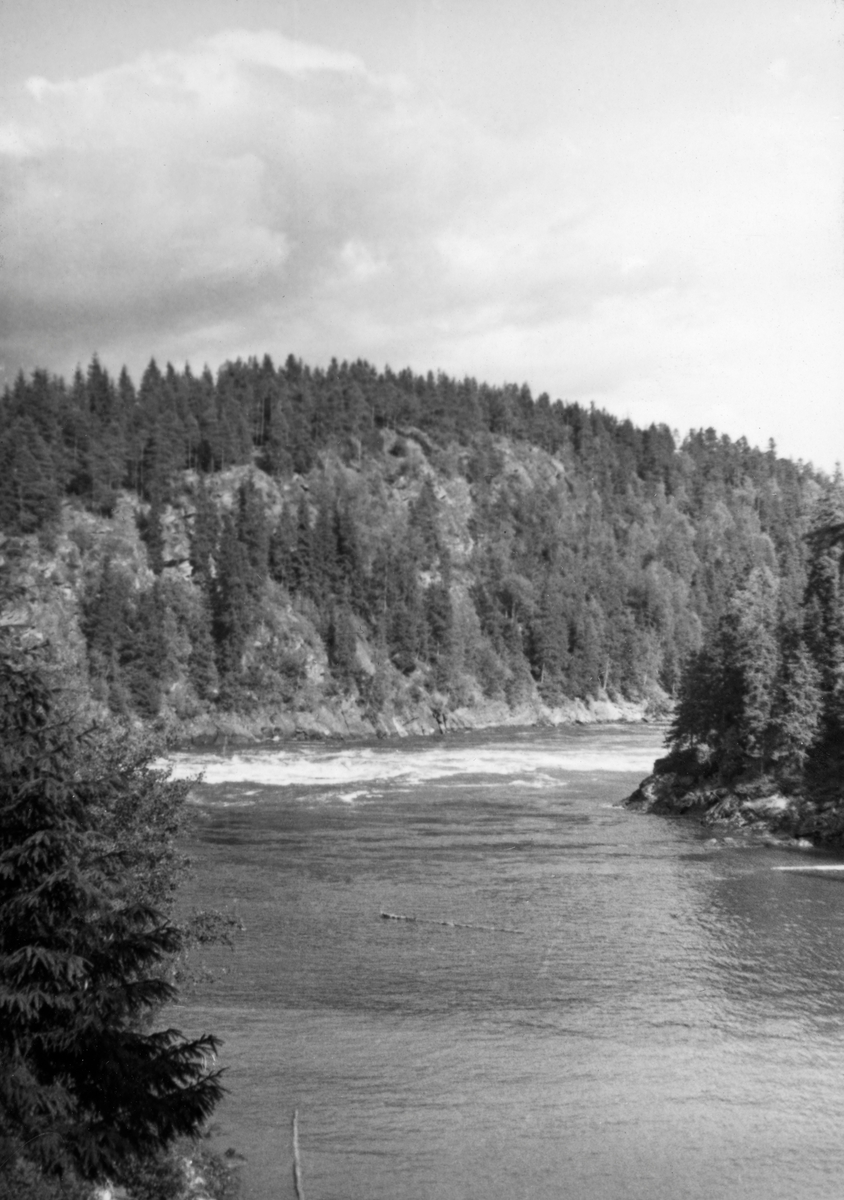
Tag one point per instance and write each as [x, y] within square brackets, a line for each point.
[592, 1003]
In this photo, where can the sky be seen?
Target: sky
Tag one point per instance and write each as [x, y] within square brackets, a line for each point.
[636, 203]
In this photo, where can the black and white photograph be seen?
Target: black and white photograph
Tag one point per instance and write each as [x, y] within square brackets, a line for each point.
[421, 600]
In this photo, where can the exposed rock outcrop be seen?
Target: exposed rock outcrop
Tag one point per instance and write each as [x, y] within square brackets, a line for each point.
[291, 681]
[757, 806]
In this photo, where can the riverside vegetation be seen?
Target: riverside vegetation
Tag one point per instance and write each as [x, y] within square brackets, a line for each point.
[90, 1091]
[757, 737]
[281, 551]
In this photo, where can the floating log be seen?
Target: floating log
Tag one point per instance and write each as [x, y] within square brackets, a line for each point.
[388, 916]
[297, 1165]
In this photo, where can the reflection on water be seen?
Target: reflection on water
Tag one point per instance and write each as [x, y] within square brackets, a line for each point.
[668, 1024]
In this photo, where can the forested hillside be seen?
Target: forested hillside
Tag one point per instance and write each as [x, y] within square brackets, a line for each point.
[758, 732]
[397, 550]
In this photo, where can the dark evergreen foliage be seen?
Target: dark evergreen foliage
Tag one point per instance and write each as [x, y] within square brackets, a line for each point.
[602, 574]
[765, 693]
[232, 602]
[85, 1083]
[29, 495]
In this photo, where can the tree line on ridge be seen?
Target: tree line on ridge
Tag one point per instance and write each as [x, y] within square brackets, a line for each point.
[418, 514]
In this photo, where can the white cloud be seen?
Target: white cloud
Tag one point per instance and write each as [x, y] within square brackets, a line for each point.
[16, 142]
[250, 160]
[253, 193]
[281, 54]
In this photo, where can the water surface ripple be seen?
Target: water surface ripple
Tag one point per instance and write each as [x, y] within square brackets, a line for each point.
[668, 1022]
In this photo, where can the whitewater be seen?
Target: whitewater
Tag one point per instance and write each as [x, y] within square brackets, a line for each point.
[576, 1000]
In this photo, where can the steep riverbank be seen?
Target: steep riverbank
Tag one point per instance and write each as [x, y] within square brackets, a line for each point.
[133, 632]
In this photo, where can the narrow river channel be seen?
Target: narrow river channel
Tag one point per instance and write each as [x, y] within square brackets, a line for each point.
[591, 1004]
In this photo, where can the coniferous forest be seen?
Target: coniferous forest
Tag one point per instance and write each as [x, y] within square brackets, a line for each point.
[293, 551]
[758, 729]
[405, 550]
[89, 944]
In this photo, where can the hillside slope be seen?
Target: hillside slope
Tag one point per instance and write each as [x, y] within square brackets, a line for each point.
[287, 552]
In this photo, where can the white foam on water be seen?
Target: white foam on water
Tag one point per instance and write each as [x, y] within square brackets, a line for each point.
[541, 781]
[216, 802]
[351, 797]
[812, 867]
[313, 766]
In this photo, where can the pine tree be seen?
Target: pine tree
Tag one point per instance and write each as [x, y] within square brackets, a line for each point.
[204, 534]
[106, 445]
[341, 642]
[753, 611]
[406, 627]
[439, 615]
[424, 523]
[302, 558]
[107, 625]
[202, 665]
[824, 627]
[202, 399]
[325, 569]
[29, 495]
[84, 1083]
[145, 653]
[587, 664]
[299, 424]
[231, 603]
[550, 638]
[797, 710]
[709, 701]
[254, 536]
[282, 549]
[152, 532]
[273, 397]
[349, 555]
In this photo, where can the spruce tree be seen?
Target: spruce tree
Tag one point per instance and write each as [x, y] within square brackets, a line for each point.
[439, 615]
[302, 556]
[797, 710]
[753, 611]
[202, 666]
[107, 624]
[204, 534]
[550, 638]
[231, 602]
[824, 625]
[146, 652]
[349, 554]
[254, 535]
[325, 568]
[282, 548]
[85, 1084]
[152, 532]
[29, 495]
[341, 642]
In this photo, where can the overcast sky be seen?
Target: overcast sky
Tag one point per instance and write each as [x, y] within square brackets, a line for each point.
[636, 202]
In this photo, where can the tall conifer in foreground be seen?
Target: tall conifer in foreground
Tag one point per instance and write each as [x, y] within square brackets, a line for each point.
[85, 1086]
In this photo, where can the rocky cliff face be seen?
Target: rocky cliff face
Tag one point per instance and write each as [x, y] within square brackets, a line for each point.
[295, 692]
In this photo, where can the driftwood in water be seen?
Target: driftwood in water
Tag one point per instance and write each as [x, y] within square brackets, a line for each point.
[297, 1166]
[387, 916]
